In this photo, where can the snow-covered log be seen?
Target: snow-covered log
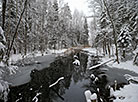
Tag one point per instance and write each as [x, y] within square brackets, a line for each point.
[61, 78]
[98, 65]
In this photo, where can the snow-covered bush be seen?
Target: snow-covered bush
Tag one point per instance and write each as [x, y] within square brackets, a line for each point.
[4, 90]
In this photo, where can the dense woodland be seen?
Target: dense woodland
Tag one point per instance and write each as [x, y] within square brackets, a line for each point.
[31, 25]
[115, 25]
[38, 25]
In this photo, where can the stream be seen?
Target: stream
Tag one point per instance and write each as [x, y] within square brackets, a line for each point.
[76, 81]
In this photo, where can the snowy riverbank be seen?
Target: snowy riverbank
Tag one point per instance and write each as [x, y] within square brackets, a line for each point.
[21, 74]
[129, 92]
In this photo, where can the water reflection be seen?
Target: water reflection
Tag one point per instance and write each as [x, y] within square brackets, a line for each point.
[40, 81]
[71, 89]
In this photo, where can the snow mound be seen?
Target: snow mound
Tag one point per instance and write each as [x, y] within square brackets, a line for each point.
[129, 92]
[89, 96]
[76, 62]
[93, 96]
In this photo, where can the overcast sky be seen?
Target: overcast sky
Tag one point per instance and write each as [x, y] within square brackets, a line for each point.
[81, 5]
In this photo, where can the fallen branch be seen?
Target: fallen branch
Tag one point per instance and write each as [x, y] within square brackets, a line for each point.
[61, 78]
[101, 64]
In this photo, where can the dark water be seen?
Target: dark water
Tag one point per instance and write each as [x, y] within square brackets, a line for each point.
[71, 89]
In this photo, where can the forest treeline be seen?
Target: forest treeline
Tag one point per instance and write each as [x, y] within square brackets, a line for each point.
[115, 26]
[38, 25]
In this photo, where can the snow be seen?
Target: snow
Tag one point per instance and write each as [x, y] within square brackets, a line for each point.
[96, 79]
[129, 77]
[129, 92]
[89, 96]
[93, 96]
[76, 62]
[2, 47]
[14, 58]
[2, 34]
[22, 76]
[75, 56]
[90, 50]
[4, 88]
[60, 51]
[128, 65]
[12, 69]
[35, 99]
[2, 64]
[61, 78]
[111, 91]
[92, 76]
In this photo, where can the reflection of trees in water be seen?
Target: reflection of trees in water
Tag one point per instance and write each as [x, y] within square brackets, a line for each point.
[40, 80]
[80, 71]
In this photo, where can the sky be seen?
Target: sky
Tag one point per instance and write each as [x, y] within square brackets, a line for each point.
[81, 5]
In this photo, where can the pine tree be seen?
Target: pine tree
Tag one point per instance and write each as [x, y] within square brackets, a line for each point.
[85, 35]
[124, 40]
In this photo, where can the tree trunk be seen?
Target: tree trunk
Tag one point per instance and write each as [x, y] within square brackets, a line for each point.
[109, 52]
[114, 30]
[4, 2]
[25, 33]
[135, 58]
[124, 53]
[14, 36]
[103, 49]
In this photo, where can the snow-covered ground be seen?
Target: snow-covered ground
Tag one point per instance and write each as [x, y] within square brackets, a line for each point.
[129, 93]
[20, 75]
[90, 50]
[16, 57]
[128, 65]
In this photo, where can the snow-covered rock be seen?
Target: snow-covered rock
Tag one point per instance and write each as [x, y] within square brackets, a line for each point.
[111, 91]
[75, 56]
[92, 76]
[76, 62]
[96, 79]
[88, 95]
[93, 96]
